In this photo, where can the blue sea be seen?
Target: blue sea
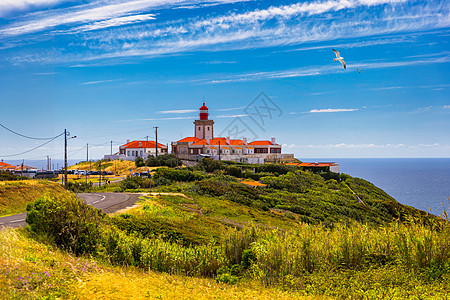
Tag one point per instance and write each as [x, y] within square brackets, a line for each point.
[423, 183]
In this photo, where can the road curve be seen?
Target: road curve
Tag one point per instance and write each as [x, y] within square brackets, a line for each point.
[107, 202]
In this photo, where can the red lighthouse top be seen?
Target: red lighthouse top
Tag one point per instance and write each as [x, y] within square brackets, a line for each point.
[203, 112]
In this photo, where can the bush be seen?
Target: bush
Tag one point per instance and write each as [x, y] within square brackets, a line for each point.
[79, 187]
[139, 162]
[68, 221]
[177, 175]
[167, 160]
[135, 182]
[7, 176]
[209, 165]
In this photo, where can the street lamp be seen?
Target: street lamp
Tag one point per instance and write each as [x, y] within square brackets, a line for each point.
[66, 134]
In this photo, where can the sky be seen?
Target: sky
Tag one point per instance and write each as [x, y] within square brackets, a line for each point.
[112, 70]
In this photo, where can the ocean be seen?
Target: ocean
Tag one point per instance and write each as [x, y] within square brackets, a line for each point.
[423, 183]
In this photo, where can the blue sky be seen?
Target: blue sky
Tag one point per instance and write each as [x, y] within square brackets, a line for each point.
[112, 70]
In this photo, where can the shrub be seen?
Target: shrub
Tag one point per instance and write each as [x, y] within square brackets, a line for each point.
[233, 171]
[209, 165]
[135, 182]
[68, 221]
[79, 187]
[177, 175]
[168, 160]
[139, 162]
[4, 175]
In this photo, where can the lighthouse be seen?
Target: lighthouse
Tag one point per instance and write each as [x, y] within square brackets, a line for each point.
[204, 128]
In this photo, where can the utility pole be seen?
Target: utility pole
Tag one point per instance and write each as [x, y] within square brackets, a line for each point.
[65, 159]
[87, 159]
[147, 138]
[22, 170]
[66, 185]
[100, 177]
[111, 147]
[156, 142]
[48, 167]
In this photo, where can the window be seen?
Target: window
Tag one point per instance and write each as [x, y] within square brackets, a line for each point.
[128, 153]
[199, 129]
[208, 128]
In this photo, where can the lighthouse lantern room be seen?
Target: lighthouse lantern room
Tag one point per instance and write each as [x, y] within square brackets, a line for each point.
[204, 128]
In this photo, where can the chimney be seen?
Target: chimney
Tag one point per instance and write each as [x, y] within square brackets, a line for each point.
[273, 141]
[244, 139]
[207, 141]
[228, 140]
[128, 141]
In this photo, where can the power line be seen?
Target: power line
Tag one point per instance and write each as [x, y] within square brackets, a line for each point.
[28, 137]
[33, 148]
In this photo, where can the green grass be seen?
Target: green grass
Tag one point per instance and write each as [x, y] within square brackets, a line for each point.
[15, 195]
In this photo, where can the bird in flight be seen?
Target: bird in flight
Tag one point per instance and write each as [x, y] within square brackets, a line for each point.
[339, 58]
[359, 71]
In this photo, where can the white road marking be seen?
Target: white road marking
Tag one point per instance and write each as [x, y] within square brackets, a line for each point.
[17, 221]
[95, 202]
[103, 197]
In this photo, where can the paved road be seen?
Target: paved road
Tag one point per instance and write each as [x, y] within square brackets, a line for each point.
[107, 202]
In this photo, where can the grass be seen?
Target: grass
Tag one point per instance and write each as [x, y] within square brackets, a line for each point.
[15, 195]
[32, 270]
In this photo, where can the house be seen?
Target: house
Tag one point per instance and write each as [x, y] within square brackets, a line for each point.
[204, 144]
[144, 149]
[133, 149]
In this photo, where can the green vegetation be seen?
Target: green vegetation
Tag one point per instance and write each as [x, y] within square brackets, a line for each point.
[15, 195]
[304, 234]
[8, 176]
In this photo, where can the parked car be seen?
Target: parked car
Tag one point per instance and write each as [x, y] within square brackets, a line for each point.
[45, 174]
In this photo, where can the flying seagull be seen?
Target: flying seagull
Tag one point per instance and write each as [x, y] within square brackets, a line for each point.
[339, 58]
[359, 71]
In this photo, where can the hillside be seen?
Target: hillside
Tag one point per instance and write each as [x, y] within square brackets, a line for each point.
[118, 167]
[14, 195]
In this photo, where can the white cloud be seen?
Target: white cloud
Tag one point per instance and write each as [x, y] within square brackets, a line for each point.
[177, 111]
[6, 6]
[115, 22]
[231, 116]
[100, 81]
[159, 119]
[320, 70]
[277, 25]
[328, 110]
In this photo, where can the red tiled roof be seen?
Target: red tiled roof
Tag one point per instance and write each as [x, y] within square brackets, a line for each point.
[214, 141]
[3, 164]
[144, 144]
[261, 143]
[189, 139]
[236, 142]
